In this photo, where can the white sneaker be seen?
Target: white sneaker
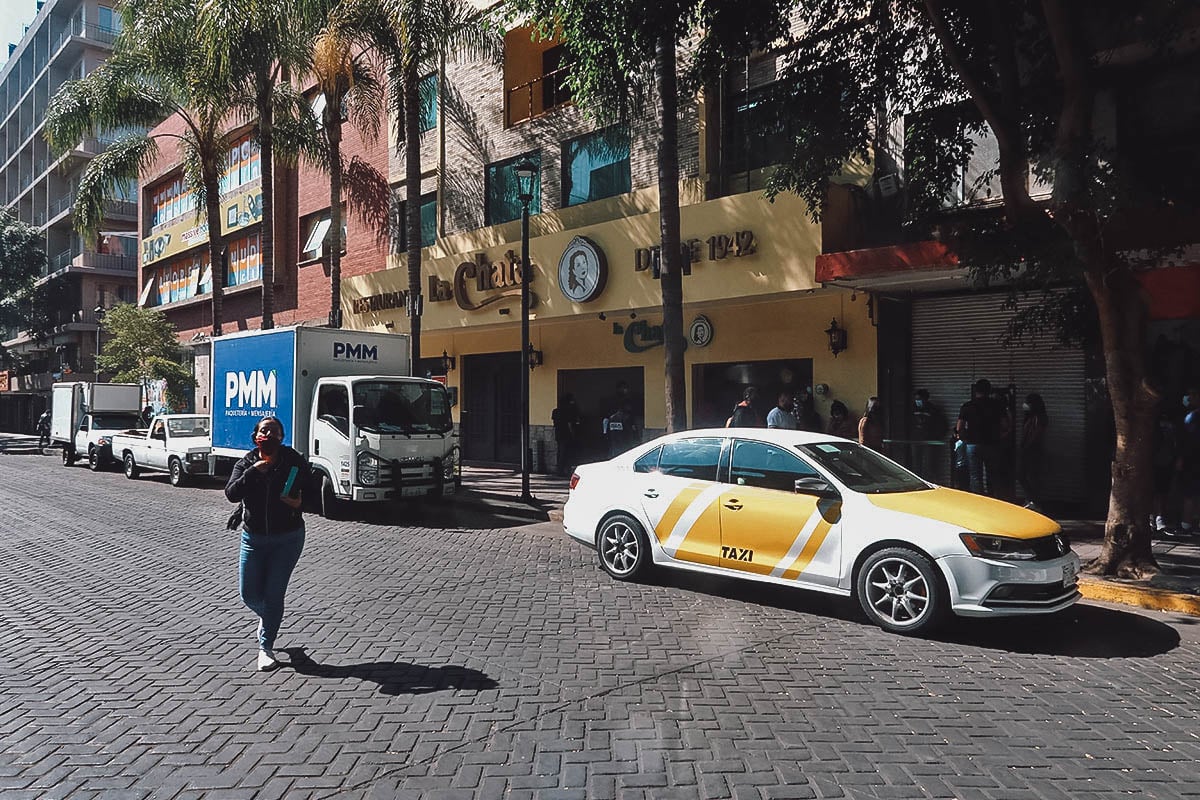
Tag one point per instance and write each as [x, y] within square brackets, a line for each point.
[267, 660]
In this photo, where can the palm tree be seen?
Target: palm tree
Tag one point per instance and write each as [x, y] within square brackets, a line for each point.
[411, 36]
[259, 44]
[156, 72]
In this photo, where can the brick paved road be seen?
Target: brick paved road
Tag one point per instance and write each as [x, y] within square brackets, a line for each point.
[482, 662]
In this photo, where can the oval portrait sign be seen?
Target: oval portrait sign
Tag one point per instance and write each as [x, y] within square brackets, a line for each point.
[701, 332]
[582, 270]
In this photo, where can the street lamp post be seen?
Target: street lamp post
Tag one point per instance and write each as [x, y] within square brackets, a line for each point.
[526, 171]
[99, 311]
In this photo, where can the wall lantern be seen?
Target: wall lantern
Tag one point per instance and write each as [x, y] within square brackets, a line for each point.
[535, 357]
[837, 338]
[447, 363]
[525, 170]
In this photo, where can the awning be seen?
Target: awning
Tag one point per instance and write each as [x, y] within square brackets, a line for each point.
[916, 266]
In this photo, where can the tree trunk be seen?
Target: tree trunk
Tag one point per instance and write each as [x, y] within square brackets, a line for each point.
[1126, 552]
[333, 130]
[412, 195]
[216, 242]
[671, 278]
[266, 136]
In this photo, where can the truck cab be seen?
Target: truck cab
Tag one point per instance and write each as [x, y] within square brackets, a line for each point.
[94, 437]
[177, 444]
[379, 438]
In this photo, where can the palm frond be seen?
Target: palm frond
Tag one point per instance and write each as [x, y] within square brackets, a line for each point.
[123, 161]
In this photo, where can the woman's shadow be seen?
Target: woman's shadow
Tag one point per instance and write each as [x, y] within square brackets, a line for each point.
[394, 677]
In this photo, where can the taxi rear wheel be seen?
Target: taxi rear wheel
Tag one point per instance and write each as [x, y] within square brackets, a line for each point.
[901, 591]
[622, 547]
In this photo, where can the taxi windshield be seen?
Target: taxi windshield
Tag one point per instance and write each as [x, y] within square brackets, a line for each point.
[861, 468]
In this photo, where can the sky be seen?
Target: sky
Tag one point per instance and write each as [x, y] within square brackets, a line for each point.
[14, 16]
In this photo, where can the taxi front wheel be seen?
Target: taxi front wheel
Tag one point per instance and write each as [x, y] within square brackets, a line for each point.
[622, 547]
[901, 591]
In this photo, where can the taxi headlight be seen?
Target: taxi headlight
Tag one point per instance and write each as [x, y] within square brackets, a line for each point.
[368, 469]
[998, 547]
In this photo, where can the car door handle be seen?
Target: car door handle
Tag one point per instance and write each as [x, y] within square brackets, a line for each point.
[651, 493]
[733, 505]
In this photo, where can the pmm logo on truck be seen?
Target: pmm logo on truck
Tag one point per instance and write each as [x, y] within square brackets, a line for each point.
[254, 389]
[355, 352]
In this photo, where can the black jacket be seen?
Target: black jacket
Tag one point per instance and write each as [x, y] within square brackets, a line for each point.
[260, 492]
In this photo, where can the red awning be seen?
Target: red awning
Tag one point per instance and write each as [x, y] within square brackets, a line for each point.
[896, 259]
[1173, 292]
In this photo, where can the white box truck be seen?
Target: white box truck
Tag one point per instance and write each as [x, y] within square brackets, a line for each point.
[346, 403]
[84, 416]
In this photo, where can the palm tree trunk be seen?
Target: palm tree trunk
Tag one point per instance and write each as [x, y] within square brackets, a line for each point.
[266, 130]
[216, 242]
[671, 279]
[333, 130]
[412, 194]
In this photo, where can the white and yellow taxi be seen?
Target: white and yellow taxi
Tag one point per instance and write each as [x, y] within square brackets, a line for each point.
[818, 512]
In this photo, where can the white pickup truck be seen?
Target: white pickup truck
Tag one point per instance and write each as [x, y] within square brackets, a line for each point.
[177, 444]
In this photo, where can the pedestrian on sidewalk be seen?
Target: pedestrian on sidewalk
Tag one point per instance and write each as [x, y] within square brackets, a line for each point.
[1033, 449]
[566, 421]
[43, 429]
[270, 482]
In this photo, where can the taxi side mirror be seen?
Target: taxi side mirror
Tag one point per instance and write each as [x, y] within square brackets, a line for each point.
[818, 487]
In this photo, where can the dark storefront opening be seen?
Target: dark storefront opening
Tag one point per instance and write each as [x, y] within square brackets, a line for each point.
[719, 387]
[596, 395]
[490, 420]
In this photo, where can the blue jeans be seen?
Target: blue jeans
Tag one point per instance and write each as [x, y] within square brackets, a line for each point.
[264, 571]
[975, 471]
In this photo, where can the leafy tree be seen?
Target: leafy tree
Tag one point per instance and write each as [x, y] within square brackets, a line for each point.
[156, 71]
[22, 262]
[1038, 74]
[144, 346]
[624, 63]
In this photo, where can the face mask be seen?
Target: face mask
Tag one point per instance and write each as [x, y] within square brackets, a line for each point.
[268, 445]
[920, 403]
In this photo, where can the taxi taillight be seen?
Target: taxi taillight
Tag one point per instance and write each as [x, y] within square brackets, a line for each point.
[574, 480]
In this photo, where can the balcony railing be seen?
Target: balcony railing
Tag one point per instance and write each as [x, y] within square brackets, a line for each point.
[120, 208]
[89, 260]
[536, 97]
[94, 33]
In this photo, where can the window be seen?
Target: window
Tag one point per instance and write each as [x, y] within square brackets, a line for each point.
[314, 230]
[244, 261]
[170, 202]
[109, 19]
[555, 69]
[428, 223]
[767, 466]
[760, 135]
[648, 462]
[596, 166]
[503, 203]
[535, 75]
[862, 469]
[178, 280]
[243, 164]
[691, 458]
[333, 407]
[428, 99]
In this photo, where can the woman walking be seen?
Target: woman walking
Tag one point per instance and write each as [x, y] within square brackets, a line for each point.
[270, 482]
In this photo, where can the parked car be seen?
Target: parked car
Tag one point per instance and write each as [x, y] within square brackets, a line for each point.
[817, 512]
[177, 444]
[84, 416]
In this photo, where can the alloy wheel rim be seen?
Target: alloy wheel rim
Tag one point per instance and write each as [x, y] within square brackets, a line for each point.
[898, 592]
[619, 547]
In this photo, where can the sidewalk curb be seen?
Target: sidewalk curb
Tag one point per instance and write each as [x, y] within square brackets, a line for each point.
[1153, 599]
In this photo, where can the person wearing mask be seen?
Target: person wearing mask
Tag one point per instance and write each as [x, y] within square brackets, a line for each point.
[840, 423]
[1033, 449]
[973, 430]
[781, 415]
[566, 432]
[928, 425]
[805, 411]
[270, 482]
[745, 414]
[870, 427]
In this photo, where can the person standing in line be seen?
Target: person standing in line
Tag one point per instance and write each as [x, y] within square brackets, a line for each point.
[870, 427]
[566, 432]
[781, 415]
[621, 429]
[1166, 465]
[745, 415]
[928, 425]
[972, 430]
[1033, 449]
[270, 482]
[806, 412]
[840, 423]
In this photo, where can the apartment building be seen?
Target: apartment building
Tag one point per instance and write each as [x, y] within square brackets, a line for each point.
[67, 39]
[754, 312]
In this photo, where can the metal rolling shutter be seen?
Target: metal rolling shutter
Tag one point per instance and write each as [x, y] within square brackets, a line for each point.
[956, 340]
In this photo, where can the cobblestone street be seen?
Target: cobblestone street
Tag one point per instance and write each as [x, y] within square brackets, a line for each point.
[441, 656]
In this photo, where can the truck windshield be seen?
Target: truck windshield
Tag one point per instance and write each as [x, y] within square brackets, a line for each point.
[114, 422]
[188, 426]
[406, 407]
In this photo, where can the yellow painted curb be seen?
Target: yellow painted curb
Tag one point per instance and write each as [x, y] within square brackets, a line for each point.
[1154, 599]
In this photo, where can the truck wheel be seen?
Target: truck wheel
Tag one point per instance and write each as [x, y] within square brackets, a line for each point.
[68, 455]
[131, 467]
[94, 459]
[178, 476]
[331, 506]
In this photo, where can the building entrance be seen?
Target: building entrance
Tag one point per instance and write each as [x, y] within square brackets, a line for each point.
[598, 394]
[719, 387]
[490, 421]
